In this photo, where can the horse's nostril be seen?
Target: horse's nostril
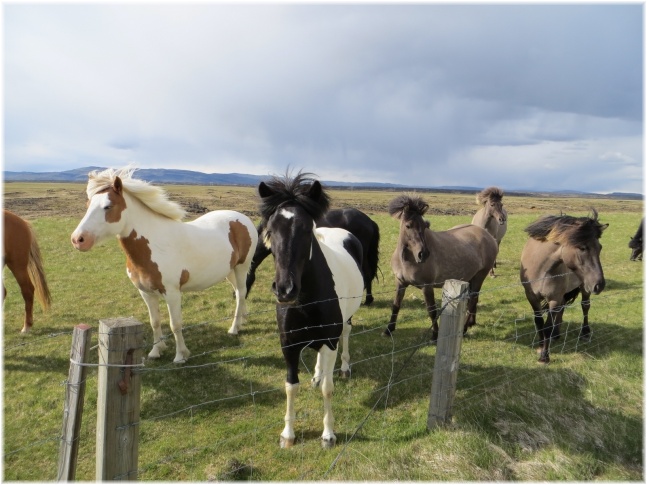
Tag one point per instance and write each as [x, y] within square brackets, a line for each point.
[80, 239]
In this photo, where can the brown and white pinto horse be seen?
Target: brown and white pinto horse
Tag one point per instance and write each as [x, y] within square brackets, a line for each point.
[561, 259]
[425, 259]
[491, 216]
[165, 256]
[22, 255]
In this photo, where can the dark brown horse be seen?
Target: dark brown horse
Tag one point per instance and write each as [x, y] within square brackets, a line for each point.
[491, 216]
[425, 259]
[636, 243]
[22, 255]
[561, 259]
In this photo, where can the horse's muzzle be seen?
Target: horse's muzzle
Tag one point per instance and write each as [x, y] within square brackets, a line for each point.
[82, 242]
[285, 293]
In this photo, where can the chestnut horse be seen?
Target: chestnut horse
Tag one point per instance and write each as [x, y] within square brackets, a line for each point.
[318, 286]
[491, 216]
[425, 259]
[166, 256]
[22, 255]
[561, 259]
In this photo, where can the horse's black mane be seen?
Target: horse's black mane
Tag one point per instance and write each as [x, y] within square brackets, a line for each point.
[294, 189]
[405, 205]
[567, 229]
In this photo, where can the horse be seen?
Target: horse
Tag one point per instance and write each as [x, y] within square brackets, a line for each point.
[425, 258]
[560, 259]
[165, 256]
[491, 216]
[636, 243]
[21, 254]
[355, 222]
[318, 286]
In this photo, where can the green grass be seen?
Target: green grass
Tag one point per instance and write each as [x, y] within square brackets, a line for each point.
[580, 418]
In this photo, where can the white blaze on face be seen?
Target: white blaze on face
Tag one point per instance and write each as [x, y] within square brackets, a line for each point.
[286, 213]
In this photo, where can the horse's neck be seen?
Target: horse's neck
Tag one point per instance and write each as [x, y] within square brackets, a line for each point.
[146, 223]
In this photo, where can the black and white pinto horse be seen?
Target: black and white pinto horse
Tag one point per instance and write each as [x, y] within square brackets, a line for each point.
[318, 286]
[355, 222]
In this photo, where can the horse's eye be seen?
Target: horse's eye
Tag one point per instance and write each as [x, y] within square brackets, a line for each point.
[408, 226]
[107, 208]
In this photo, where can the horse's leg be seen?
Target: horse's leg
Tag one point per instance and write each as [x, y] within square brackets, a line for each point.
[555, 313]
[472, 303]
[542, 329]
[369, 291]
[395, 308]
[152, 302]
[18, 267]
[432, 311]
[291, 356]
[345, 351]
[174, 303]
[585, 332]
[237, 279]
[328, 358]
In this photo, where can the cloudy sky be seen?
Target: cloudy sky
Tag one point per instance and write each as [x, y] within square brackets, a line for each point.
[521, 96]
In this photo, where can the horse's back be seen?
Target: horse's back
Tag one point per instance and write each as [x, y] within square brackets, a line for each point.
[464, 249]
[17, 237]
[343, 253]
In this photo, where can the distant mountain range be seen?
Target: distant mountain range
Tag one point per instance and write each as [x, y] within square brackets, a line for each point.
[189, 177]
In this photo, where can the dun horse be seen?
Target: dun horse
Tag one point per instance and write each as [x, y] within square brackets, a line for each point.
[425, 259]
[561, 259]
[165, 256]
[22, 255]
[318, 286]
[492, 216]
[355, 222]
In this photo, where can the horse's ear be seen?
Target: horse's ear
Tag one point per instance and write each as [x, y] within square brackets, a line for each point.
[264, 190]
[118, 185]
[314, 192]
[603, 227]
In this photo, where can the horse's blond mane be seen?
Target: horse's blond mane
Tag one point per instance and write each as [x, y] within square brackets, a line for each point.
[155, 198]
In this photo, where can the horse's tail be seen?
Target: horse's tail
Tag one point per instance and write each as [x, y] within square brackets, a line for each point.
[37, 273]
[373, 253]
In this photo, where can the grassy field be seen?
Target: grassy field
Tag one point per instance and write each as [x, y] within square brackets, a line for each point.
[219, 416]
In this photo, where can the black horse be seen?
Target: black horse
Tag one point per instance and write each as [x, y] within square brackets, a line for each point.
[635, 244]
[355, 222]
[318, 286]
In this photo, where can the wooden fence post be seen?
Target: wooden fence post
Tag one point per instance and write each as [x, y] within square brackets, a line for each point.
[73, 410]
[120, 352]
[448, 350]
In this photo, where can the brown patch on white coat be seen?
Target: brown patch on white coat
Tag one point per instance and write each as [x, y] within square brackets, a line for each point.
[241, 242]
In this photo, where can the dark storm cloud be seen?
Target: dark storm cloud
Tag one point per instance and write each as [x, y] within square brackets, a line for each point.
[439, 94]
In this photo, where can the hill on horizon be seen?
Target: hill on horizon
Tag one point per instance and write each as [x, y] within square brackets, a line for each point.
[190, 177]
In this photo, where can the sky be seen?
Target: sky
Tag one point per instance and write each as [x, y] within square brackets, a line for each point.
[522, 96]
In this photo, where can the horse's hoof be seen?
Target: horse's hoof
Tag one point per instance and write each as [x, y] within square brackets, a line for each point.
[344, 374]
[585, 338]
[328, 442]
[368, 301]
[25, 330]
[388, 333]
[286, 442]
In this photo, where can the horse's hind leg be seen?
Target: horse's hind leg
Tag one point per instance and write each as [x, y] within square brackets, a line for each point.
[152, 303]
[237, 278]
[19, 270]
[345, 352]
[174, 304]
[395, 308]
[432, 311]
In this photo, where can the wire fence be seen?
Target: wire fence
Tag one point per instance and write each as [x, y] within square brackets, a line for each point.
[514, 337]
